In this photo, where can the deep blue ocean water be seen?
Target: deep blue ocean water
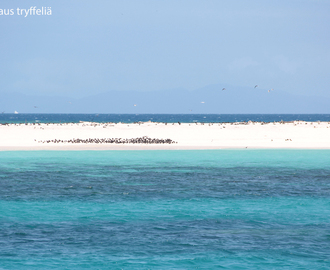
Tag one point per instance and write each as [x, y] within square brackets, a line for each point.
[170, 118]
[193, 209]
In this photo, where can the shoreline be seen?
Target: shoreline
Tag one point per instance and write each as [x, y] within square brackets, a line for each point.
[165, 136]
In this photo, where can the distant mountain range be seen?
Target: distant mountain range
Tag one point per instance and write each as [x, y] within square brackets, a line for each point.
[211, 99]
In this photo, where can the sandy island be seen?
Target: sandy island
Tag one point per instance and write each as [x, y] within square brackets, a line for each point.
[152, 135]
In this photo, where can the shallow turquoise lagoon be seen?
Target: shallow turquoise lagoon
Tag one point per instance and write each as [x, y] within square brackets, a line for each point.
[207, 209]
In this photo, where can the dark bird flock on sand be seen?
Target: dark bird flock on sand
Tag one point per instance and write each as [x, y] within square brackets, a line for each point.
[141, 140]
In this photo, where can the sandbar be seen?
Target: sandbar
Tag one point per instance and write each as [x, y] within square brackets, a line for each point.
[165, 136]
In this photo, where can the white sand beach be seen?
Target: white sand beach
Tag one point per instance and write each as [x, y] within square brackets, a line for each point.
[36, 136]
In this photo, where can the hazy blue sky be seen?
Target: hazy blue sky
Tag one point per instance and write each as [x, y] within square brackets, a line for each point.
[88, 47]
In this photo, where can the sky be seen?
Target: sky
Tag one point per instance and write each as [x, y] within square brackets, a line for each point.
[89, 47]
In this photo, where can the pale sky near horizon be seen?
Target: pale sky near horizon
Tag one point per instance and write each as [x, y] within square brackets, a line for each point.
[89, 47]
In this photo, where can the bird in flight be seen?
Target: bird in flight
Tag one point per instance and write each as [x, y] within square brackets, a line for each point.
[256, 86]
[223, 89]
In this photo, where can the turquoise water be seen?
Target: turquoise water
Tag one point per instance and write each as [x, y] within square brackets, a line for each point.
[207, 209]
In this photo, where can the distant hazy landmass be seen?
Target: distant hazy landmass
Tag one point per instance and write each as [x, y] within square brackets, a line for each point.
[211, 99]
